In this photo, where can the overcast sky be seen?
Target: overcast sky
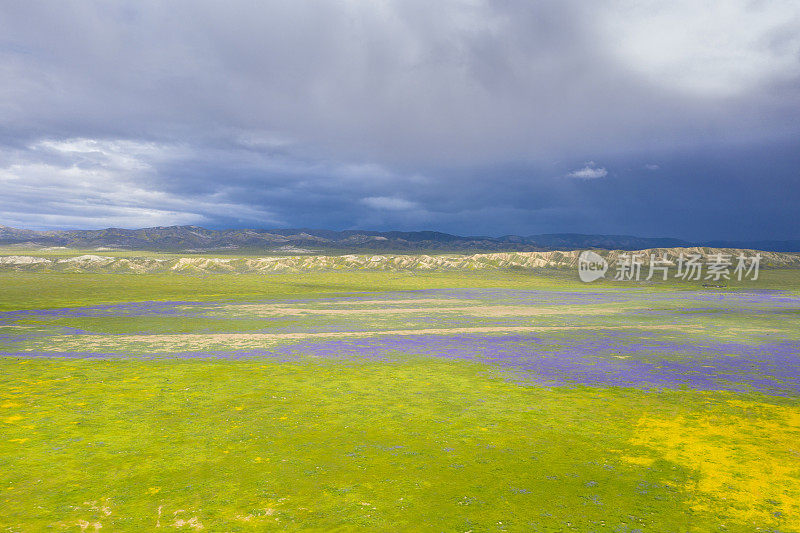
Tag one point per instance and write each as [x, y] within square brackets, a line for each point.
[640, 117]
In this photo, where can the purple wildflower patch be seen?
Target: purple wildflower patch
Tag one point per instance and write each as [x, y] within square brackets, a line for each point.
[594, 357]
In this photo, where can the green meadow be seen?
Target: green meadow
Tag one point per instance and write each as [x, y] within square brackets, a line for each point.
[419, 445]
[408, 442]
[36, 290]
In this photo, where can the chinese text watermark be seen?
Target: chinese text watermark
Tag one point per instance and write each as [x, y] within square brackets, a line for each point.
[637, 266]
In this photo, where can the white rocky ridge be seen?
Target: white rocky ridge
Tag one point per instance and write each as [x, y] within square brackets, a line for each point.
[87, 259]
[300, 263]
[22, 260]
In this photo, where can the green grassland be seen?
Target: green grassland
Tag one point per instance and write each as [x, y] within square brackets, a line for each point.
[25, 290]
[37, 290]
[409, 444]
[419, 445]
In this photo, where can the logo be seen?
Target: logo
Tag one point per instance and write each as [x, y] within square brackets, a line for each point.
[591, 266]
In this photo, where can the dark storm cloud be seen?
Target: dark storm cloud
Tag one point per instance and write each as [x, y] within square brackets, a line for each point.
[466, 116]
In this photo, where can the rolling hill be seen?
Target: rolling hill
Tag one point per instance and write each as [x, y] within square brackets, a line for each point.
[194, 239]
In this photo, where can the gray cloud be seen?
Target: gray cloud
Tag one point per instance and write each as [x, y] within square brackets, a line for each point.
[458, 114]
[387, 202]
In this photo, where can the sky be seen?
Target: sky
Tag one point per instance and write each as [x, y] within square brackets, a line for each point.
[638, 117]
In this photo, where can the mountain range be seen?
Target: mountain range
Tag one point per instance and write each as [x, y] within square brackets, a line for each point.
[195, 239]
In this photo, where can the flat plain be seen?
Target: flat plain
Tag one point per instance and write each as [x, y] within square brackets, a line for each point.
[386, 401]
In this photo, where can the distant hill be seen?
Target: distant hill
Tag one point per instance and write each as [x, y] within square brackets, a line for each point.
[194, 239]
